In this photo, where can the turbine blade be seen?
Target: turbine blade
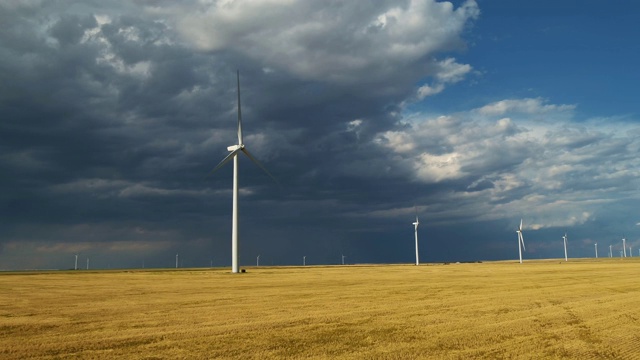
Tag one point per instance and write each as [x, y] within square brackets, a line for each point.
[224, 161]
[520, 225]
[522, 241]
[239, 113]
[246, 152]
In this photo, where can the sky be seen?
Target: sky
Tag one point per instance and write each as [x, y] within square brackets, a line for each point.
[472, 115]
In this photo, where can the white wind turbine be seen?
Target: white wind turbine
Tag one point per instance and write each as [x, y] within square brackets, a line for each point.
[234, 150]
[565, 246]
[520, 241]
[596, 246]
[610, 252]
[624, 247]
[76, 266]
[415, 225]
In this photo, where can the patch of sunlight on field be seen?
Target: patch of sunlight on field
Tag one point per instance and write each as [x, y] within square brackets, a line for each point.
[540, 309]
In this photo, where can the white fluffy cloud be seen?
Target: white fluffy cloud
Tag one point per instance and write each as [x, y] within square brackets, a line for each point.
[447, 71]
[558, 173]
[346, 42]
[526, 106]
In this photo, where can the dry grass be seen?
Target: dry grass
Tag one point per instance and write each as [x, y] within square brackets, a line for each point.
[542, 309]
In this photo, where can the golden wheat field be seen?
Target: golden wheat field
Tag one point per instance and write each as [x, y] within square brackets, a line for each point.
[586, 309]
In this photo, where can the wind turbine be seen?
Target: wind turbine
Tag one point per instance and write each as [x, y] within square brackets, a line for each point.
[304, 260]
[520, 241]
[76, 266]
[624, 247]
[596, 245]
[343, 258]
[610, 252]
[176, 261]
[234, 150]
[565, 246]
[630, 252]
[415, 225]
[258, 261]
[87, 263]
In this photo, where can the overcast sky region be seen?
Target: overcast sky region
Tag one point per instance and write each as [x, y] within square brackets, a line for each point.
[475, 114]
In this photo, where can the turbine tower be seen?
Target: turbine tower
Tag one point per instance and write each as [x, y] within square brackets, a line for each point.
[624, 247]
[610, 252]
[76, 266]
[176, 261]
[520, 241]
[258, 261]
[304, 260]
[596, 246]
[234, 150]
[415, 225]
[565, 246]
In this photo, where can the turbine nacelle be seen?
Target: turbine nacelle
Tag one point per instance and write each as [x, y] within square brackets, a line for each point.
[235, 147]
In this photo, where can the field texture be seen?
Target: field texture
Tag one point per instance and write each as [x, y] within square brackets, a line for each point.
[540, 309]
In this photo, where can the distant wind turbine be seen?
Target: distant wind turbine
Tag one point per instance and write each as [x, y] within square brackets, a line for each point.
[343, 258]
[258, 261]
[520, 241]
[87, 263]
[76, 266]
[630, 252]
[176, 261]
[415, 225]
[304, 260]
[233, 154]
[624, 247]
[565, 246]
[596, 246]
[610, 252]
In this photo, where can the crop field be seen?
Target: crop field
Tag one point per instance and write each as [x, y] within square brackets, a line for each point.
[583, 309]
